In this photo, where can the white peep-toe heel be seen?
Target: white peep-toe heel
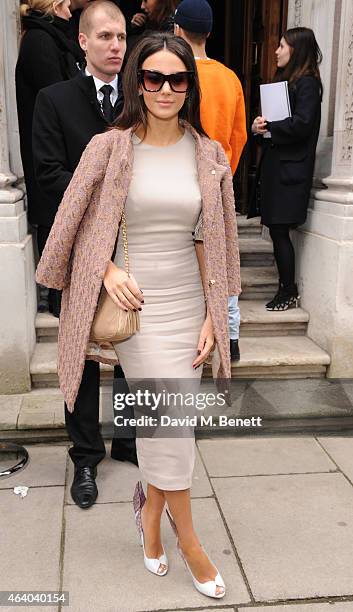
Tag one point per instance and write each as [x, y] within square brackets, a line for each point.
[206, 588]
[153, 565]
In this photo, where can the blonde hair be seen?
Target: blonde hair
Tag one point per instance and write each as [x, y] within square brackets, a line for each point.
[43, 6]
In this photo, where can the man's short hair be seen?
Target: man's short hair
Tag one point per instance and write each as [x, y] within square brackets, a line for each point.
[196, 38]
[87, 15]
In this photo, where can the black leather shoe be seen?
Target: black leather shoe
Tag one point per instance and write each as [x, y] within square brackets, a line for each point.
[84, 490]
[234, 350]
[124, 449]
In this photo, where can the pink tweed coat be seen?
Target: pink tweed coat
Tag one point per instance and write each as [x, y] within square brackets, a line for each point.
[84, 232]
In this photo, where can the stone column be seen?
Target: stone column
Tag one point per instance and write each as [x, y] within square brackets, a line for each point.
[342, 162]
[10, 58]
[323, 16]
[18, 294]
[325, 242]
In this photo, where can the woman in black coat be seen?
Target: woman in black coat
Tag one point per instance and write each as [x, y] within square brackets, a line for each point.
[46, 56]
[288, 156]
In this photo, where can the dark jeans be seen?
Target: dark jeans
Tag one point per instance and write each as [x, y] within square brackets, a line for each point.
[83, 423]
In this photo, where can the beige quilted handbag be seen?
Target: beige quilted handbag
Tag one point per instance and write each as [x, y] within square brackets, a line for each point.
[112, 324]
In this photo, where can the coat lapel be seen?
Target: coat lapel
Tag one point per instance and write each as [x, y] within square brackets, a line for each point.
[86, 84]
[210, 174]
[119, 103]
[121, 161]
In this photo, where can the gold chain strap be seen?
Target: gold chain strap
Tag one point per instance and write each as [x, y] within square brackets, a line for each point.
[125, 245]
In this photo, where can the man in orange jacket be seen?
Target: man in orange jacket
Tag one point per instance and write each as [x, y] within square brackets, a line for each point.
[222, 107]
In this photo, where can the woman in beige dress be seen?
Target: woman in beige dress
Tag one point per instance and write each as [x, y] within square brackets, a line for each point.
[162, 209]
[170, 177]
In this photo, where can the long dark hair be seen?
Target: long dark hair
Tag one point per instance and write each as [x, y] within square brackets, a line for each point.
[134, 112]
[162, 11]
[305, 57]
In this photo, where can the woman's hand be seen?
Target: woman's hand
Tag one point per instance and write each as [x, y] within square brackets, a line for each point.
[206, 342]
[139, 19]
[259, 126]
[122, 288]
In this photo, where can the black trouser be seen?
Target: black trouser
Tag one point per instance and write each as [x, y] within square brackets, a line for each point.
[83, 423]
[42, 236]
[284, 254]
[54, 296]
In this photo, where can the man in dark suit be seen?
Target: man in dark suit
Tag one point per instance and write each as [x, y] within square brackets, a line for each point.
[66, 116]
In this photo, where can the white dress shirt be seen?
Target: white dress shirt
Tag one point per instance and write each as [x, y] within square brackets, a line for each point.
[98, 84]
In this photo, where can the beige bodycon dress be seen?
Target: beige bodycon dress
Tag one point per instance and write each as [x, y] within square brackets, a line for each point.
[162, 209]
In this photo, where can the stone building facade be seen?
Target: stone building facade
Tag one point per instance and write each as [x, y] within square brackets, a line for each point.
[325, 242]
[324, 245]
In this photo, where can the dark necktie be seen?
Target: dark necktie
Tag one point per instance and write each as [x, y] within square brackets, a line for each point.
[108, 110]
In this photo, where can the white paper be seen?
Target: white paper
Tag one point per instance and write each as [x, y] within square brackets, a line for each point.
[275, 104]
[21, 490]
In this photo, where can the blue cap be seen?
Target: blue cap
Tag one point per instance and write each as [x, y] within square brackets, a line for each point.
[194, 16]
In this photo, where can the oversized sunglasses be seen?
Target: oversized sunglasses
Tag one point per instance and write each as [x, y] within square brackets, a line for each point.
[153, 81]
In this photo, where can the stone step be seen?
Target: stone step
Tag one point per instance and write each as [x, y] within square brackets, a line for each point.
[259, 282]
[248, 227]
[255, 252]
[46, 327]
[266, 357]
[279, 357]
[255, 321]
